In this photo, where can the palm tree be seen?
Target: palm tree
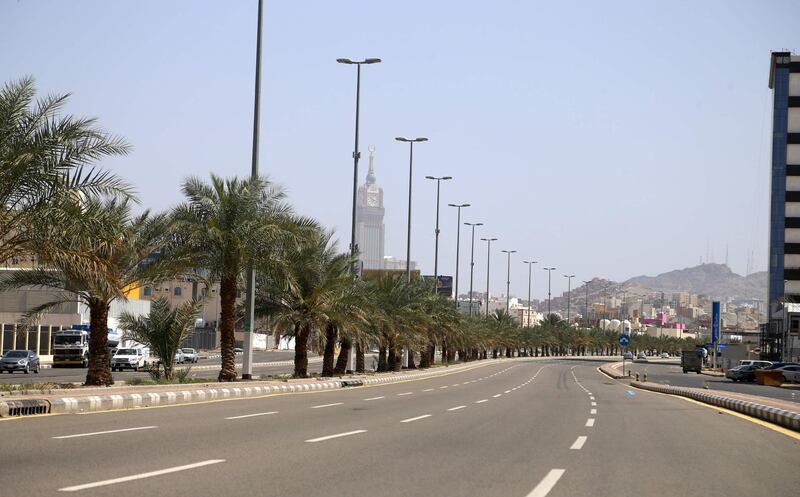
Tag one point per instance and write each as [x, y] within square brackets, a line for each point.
[45, 165]
[228, 226]
[127, 248]
[163, 329]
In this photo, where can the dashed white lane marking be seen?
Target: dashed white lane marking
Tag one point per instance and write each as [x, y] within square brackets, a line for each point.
[507, 391]
[456, 408]
[481, 401]
[594, 403]
[327, 405]
[443, 386]
[338, 435]
[592, 411]
[578, 445]
[404, 393]
[590, 422]
[428, 390]
[141, 475]
[253, 415]
[465, 383]
[376, 398]
[454, 385]
[498, 395]
[409, 420]
[547, 484]
[105, 432]
[591, 398]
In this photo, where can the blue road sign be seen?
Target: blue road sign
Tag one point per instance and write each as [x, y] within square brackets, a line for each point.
[624, 340]
[715, 321]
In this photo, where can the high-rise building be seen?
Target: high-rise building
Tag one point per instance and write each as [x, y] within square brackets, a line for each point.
[370, 230]
[784, 234]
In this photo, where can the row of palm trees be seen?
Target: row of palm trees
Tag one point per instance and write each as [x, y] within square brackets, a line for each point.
[81, 224]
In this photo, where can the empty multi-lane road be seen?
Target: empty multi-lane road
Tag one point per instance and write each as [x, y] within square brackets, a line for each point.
[510, 428]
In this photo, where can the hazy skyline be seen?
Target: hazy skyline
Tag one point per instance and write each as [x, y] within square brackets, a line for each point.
[609, 140]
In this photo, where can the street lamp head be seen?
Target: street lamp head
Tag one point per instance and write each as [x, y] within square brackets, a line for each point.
[402, 139]
[447, 177]
[372, 61]
[474, 224]
[458, 205]
[345, 61]
[489, 239]
[420, 139]
[430, 177]
[529, 262]
[509, 251]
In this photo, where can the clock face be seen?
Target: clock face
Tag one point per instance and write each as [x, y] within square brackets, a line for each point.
[372, 199]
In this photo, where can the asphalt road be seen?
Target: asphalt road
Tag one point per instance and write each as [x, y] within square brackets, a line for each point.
[522, 428]
[673, 375]
[78, 375]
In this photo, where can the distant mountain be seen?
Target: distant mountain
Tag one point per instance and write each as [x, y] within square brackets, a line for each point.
[714, 280]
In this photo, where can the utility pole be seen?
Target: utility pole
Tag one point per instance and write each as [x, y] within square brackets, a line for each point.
[586, 320]
[458, 245]
[508, 279]
[549, 270]
[530, 265]
[436, 249]
[488, 263]
[472, 262]
[569, 294]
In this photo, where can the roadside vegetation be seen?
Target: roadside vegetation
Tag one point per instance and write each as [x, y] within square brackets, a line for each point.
[94, 244]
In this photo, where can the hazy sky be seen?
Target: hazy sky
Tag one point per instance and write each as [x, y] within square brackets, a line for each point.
[606, 139]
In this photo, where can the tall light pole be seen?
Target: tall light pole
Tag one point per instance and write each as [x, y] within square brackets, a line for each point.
[247, 360]
[438, 180]
[458, 244]
[508, 279]
[530, 265]
[549, 271]
[356, 153]
[472, 263]
[488, 263]
[569, 293]
[411, 142]
[586, 321]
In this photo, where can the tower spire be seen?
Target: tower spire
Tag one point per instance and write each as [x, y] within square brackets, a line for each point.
[371, 173]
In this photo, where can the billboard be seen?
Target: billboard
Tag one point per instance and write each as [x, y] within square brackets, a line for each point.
[715, 321]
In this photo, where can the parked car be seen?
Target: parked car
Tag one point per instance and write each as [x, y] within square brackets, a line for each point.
[628, 355]
[641, 357]
[791, 373]
[189, 355]
[20, 360]
[742, 373]
[179, 357]
[665, 355]
[760, 364]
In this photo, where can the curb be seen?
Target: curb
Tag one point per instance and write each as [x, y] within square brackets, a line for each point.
[607, 370]
[781, 417]
[95, 403]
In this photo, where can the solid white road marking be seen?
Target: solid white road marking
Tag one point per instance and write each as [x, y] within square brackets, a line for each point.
[326, 405]
[345, 434]
[456, 408]
[409, 420]
[253, 415]
[593, 411]
[376, 398]
[404, 393]
[498, 395]
[141, 476]
[578, 445]
[481, 401]
[105, 432]
[590, 422]
[547, 484]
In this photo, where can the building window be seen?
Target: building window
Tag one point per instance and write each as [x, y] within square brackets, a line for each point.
[177, 291]
[147, 291]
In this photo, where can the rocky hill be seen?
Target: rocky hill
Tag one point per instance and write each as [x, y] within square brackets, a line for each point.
[715, 280]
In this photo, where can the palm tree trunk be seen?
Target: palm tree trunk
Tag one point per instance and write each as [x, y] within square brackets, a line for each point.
[360, 362]
[391, 358]
[227, 321]
[330, 349]
[382, 361]
[99, 372]
[411, 364]
[424, 358]
[397, 365]
[341, 361]
[301, 352]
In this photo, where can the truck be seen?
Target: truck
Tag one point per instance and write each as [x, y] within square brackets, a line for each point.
[692, 360]
[71, 348]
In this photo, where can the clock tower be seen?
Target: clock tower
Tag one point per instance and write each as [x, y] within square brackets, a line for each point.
[370, 230]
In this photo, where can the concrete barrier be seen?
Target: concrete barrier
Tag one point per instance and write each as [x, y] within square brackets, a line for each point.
[782, 417]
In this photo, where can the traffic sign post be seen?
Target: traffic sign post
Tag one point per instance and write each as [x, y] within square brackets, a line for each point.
[715, 328]
[624, 340]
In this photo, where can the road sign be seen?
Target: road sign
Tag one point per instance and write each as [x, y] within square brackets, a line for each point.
[624, 340]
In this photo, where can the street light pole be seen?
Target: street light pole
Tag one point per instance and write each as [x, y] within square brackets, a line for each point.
[472, 263]
[569, 293]
[586, 320]
[247, 360]
[530, 265]
[356, 153]
[411, 142]
[508, 279]
[436, 243]
[488, 263]
[549, 271]
[458, 245]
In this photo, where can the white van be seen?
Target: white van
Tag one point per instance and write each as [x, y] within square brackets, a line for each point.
[758, 364]
[130, 358]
